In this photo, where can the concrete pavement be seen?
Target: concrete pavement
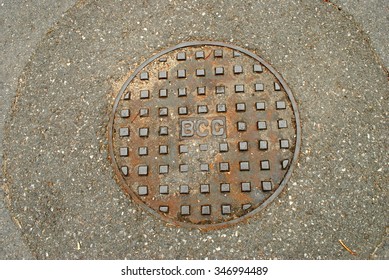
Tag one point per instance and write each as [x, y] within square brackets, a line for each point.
[58, 182]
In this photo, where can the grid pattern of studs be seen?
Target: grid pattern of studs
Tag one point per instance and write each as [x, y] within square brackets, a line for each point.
[210, 177]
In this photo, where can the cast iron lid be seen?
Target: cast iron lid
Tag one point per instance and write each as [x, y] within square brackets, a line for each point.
[204, 134]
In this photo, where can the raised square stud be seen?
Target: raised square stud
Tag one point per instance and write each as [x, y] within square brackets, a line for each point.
[240, 107]
[257, 68]
[280, 105]
[143, 190]
[204, 188]
[124, 132]
[244, 166]
[284, 144]
[163, 130]
[226, 209]
[203, 147]
[236, 54]
[243, 146]
[200, 54]
[241, 126]
[238, 69]
[239, 88]
[277, 87]
[162, 59]
[163, 189]
[124, 170]
[143, 170]
[202, 109]
[261, 125]
[284, 164]
[265, 165]
[200, 72]
[163, 93]
[163, 111]
[181, 73]
[143, 112]
[267, 186]
[220, 108]
[260, 106]
[123, 152]
[144, 94]
[162, 75]
[282, 124]
[163, 169]
[218, 53]
[259, 87]
[181, 92]
[163, 149]
[127, 96]
[206, 209]
[246, 206]
[144, 76]
[185, 210]
[184, 189]
[219, 71]
[245, 186]
[224, 167]
[224, 187]
[183, 149]
[262, 144]
[182, 110]
[143, 151]
[204, 167]
[181, 56]
[125, 113]
[184, 168]
[164, 209]
[223, 147]
[220, 89]
[201, 90]
[143, 132]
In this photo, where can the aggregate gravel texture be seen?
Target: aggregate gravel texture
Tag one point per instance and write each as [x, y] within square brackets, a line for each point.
[367, 18]
[59, 181]
[23, 23]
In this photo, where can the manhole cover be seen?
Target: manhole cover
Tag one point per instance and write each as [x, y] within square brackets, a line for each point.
[204, 134]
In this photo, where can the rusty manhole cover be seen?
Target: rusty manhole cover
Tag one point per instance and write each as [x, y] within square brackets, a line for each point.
[204, 134]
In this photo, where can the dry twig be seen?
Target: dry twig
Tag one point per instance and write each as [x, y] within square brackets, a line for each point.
[347, 248]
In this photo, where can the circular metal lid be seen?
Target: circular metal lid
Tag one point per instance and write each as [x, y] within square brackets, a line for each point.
[204, 134]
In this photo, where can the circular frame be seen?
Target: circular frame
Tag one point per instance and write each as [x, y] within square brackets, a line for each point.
[281, 186]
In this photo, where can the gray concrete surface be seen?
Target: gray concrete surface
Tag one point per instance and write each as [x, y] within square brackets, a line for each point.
[59, 182]
[372, 18]
[23, 23]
